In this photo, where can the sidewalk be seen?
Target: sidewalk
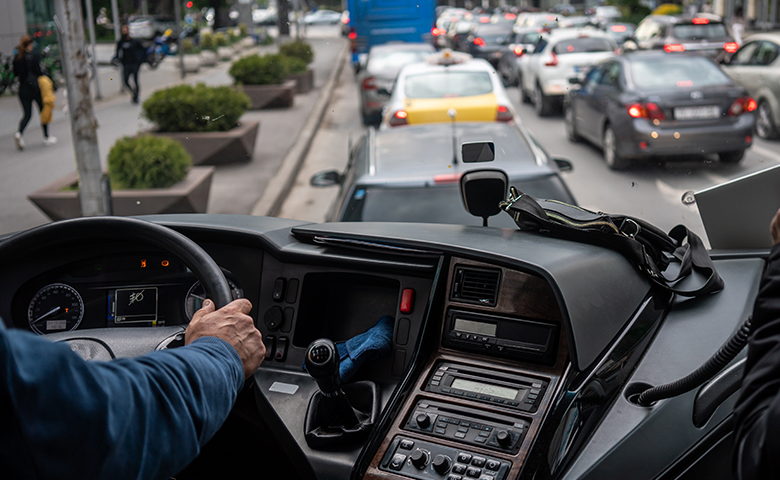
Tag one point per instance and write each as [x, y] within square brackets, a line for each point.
[235, 189]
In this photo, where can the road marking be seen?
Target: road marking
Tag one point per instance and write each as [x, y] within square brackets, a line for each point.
[767, 152]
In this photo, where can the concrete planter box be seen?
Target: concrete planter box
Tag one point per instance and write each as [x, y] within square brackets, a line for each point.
[208, 58]
[247, 42]
[270, 96]
[304, 82]
[237, 48]
[191, 63]
[217, 148]
[191, 195]
[225, 53]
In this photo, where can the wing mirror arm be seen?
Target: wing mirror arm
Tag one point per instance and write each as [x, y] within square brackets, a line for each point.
[564, 164]
[326, 178]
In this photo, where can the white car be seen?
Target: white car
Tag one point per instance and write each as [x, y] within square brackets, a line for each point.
[322, 17]
[563, 54]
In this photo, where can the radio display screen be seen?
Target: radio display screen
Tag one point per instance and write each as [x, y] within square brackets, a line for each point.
[484, 388]
[480, 328]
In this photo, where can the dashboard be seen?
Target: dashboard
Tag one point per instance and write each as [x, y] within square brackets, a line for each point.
[509, 351]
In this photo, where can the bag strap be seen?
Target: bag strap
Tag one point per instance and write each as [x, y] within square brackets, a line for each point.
[648, 247]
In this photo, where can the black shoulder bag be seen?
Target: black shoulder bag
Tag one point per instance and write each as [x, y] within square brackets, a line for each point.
[657, 254]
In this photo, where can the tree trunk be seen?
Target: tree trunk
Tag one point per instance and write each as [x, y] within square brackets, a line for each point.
[283, 8]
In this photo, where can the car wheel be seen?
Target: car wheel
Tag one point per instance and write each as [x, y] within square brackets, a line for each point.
[765, 125]
[524, 97]
[541, 102]
[611, 157]
[571, 128]
[731, 157]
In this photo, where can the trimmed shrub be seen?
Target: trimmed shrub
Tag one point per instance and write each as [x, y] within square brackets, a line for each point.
[207, 41]
[188, 46]
[201, 108]
[299, 49]
[147, 162]
[269, 69]
[242, 30]
[668, 9]
[267, 40]
[220, 39]
[296, 65]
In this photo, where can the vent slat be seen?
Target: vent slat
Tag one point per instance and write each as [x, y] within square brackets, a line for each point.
[477, 286]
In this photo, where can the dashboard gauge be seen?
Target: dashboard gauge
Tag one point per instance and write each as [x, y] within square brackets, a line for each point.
[197, 294]
[55, 308]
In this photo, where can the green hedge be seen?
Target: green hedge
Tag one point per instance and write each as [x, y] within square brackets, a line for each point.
[147, 162]
[207, 41]
[296, 65]
[201, 108]
[220, 39]
[299, 49]
[269, 69]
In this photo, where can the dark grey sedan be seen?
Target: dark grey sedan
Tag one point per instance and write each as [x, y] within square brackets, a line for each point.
[649, 104]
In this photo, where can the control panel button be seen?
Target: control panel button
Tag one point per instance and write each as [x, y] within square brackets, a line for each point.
[281, 349]
[478, 461]
[423, 420]
[473, 472]
[407, 444]
[487, 477]
[503, 438]
[398, 461]
[464, 457]
[459, 468]
[442, 463]
[407, 300]
[419, 458]
[454, 477]
[273, 318]
[492, 465]
[270, 346]
[278, 293]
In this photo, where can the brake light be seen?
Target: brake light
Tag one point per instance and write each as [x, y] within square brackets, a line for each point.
[510, 16]
[447, 178]
[674, 47]
[742, 105]
[398, 118]
[553, 60]
[503, 114]
[518, 51]
[618, 28]
[701, 21]
[352, 35]
[484, 19]
[369, 83]
[479, 42]
[436, 32]
[731, 47]
[648, 110]
[345, 21]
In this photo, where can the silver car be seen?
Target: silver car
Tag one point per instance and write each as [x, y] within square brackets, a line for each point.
[377, 79]
[757, 67]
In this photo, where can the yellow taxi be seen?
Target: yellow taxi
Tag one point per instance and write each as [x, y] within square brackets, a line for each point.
[448, 86]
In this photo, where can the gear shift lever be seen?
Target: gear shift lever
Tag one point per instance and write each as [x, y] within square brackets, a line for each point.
[322, 362]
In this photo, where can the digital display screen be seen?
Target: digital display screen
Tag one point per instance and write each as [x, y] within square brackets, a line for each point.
[135, 305]
[480, 328]
[485, 389]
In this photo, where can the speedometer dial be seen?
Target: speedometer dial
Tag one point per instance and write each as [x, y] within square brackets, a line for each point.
[55, 308]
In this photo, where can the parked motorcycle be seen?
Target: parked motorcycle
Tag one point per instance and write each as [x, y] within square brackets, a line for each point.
[162, 45]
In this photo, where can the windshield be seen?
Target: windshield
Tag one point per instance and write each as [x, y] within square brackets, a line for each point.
[699, 32]
[395, 59]
[660, 73]
[583, 45]
[447, 84]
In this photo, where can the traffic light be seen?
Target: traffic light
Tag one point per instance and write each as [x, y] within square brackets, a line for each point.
[189, 4]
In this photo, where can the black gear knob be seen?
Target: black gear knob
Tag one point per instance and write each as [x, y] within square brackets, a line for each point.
[322, 362]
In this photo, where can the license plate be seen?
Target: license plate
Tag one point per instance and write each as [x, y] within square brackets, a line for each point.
[496, 54]
[696, 113]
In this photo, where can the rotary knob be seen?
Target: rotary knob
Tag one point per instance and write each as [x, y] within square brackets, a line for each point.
[419, 458]
[504, 438]
[423, 420]
[442, 463]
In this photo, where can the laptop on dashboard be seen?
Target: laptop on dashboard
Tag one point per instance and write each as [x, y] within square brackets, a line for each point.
[736, 214]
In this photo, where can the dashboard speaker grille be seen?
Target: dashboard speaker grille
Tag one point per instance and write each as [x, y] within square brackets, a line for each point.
[476, 285]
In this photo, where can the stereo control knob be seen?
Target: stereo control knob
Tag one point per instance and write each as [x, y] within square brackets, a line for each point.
[504, 438]
[419, 458]
[423, 420]
[442, 463]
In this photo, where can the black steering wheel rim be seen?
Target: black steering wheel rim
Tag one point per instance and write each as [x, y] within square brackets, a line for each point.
[123, 228]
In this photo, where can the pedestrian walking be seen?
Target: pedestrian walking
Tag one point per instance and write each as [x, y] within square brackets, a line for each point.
[27, 67]
[738, 25]
[130, 53]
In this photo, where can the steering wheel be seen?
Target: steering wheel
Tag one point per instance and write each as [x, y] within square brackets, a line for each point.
[123, 228]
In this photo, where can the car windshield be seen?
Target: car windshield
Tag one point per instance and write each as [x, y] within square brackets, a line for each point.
[583, 45]
[394, 59]
[699, 32]
[447, 84]
[680, 71]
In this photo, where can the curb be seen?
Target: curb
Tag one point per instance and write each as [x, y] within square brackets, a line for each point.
[278, 188]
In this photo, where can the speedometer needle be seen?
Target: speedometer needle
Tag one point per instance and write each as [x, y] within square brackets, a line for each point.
[47, 314]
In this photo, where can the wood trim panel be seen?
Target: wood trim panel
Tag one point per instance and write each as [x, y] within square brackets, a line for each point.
[523, 295]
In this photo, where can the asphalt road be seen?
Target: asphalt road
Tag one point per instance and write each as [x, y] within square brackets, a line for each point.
[652, 191]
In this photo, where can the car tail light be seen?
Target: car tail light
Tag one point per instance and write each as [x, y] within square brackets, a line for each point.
[748, 139]
[447, 178]
[369, 83]
[618, 28]
[399, 118]
[345, 21]
[436, 32]
[518, 51]
[647, 110]
[510, 16]
[503, 114]
[700, 21]
[731, 47]
[479, 42]
[742, 105]
[553, 60]
[674, 47]
[484, 19]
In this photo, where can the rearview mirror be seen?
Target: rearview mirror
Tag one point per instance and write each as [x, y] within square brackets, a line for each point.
[482, 191]
[327, 178]
[564, 164]
[475, 152]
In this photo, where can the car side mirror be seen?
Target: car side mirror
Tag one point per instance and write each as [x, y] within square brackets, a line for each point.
[482, 191]
[477, 152]
[575, 81]
[564, 164]
[384, 91]
[327, 178]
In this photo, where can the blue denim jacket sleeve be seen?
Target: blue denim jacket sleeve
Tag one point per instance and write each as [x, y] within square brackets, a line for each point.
[147, 417]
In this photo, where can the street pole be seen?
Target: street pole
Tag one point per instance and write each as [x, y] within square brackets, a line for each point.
[91, 20]
[83, 124]
[117, 34]
[179, 50]
[144, 7]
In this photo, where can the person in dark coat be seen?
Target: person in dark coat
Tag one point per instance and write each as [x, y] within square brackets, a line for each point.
[130, 53]
[756, 453]
[27, 67]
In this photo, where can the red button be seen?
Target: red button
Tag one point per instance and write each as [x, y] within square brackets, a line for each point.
[407, 300]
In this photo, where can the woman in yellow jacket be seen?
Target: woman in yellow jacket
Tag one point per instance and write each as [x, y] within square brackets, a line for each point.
[47, 96]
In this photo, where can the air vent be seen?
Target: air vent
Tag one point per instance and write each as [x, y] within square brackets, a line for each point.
[475, 285]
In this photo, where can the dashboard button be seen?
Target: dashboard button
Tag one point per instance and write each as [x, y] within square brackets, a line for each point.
[419, 458]
[442, 464]
[407, 300]
[273, 318]
[478, 461]
[473, 472]
[487, 477]
[460, 435]
[407, 444]
[459, 467]
[493, 465]
[281, 349]
[278, 293]
[480, 439]
[423, 420]
[454, 477]
[270, 346]
[398, 461]
[464, 458]
[292, 290]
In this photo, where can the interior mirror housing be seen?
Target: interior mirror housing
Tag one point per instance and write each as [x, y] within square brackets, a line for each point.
[564, 164]
[327, 178]
[475, 152]
[482, 191]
